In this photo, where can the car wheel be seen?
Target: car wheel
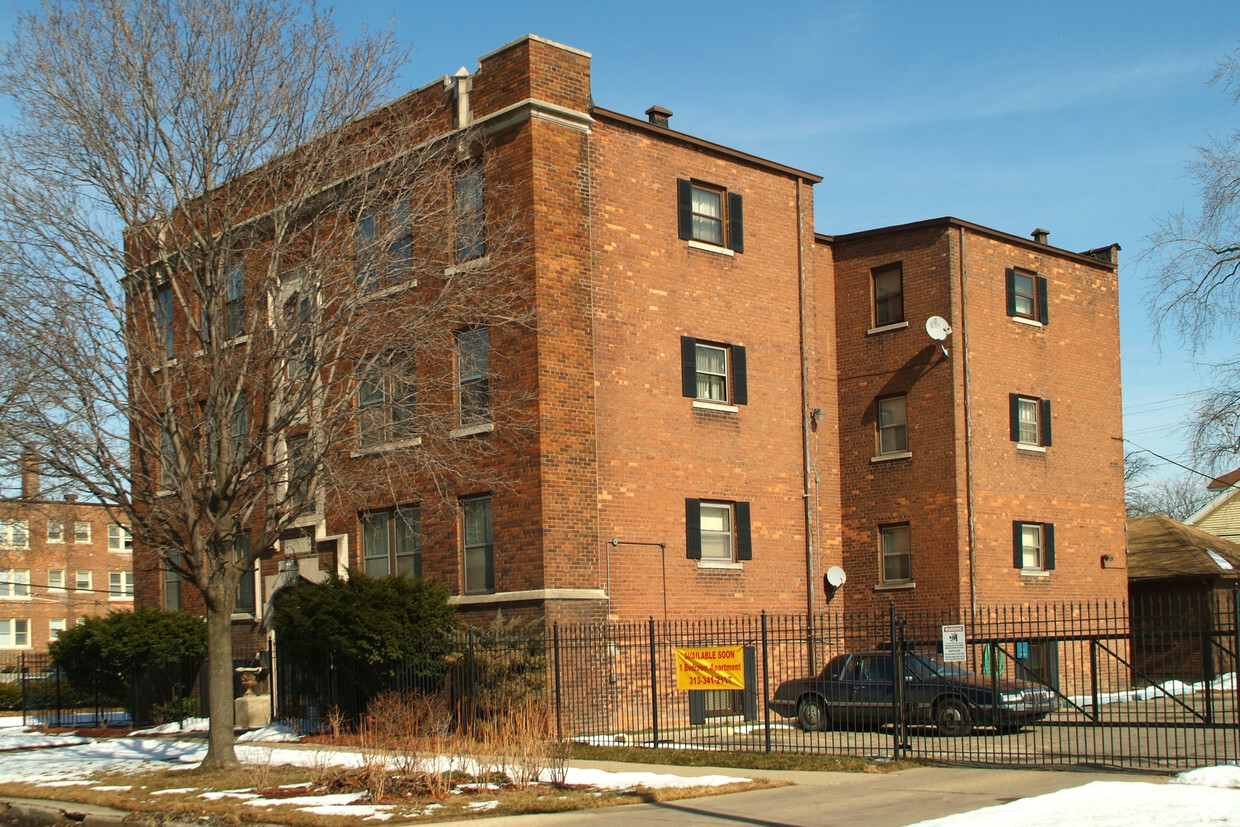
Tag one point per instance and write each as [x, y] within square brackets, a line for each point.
[812, 715]
[952, 719]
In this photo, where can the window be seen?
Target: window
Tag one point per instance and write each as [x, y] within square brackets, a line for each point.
[386, 401]
[299, 306]
[710, 215]
[172, 588]
[56, 580]
[1033, 546]
[119, 538]
[239, 430]
[81, 532]
[55, 626]
[82, 581]
[470, 213]
[1030, 420]
[120, 585]
[14, 533]
[383, 245]
[888, 295]
[301, 464]
[479, 545]
[392, 541]
[167, 458]
[717, 531]
[15, 583]
[473, 369]
[15, 633]
[55, 531]
[893, 425]
[163, 317]
[713, 372]
[896, 549]
[234, 301]
[244, 599]
[1026, 296]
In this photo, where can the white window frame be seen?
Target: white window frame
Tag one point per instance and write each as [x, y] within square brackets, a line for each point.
[713, 385]
[55, 626]
[893, 427]
[15, 633]
[120, 585]
[77, 580]
[15, 584]
[1037, 551]
[57, 583]
[718, 544]
[15, 533]
[81, 531]
[119, 538]
[56, 536]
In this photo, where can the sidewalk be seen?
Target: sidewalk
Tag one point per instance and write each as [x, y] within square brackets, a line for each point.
[818, 799]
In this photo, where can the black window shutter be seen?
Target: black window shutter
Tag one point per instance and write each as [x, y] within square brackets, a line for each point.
[688, 366]
[1048, 546]
[740, 384]
[1014, 416]
[1018, 553]
[693, 529]
[1044, 314]
[1045, 417]
[736, 223]
[684, 204]
[1011, 292]
[744, 547]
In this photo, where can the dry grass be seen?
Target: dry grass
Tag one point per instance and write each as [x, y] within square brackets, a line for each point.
[143, 797]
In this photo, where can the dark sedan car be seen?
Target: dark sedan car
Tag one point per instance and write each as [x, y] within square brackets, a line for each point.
[859, 690]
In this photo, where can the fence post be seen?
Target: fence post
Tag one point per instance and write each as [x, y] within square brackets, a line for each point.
[21, 665]
[1095, 700]
[559, 706]
[59, 703]
[473, 682]
[654, 688]
[1235, 656]
[1207, 659]
[766, 684]
[895, 700]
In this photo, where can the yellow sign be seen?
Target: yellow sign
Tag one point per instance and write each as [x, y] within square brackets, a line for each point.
[710, 667]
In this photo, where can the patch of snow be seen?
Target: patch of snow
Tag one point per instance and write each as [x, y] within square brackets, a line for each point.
[317, 800]
[113, 787]
[14, 738]
[174, 791]
[271, 732]
[1108, 804]
[1226, 776]
[481, 806]
[603, 780]
[1151, 693]
[187, 725]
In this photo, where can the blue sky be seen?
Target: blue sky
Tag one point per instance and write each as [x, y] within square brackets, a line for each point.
[1074, 116]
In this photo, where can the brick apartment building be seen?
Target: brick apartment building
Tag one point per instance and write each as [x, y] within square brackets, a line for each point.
[728, 403]
[61, 561]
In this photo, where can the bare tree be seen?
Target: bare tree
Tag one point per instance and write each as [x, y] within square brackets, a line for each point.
[1177, 497]
[228, 270]
[1197, 280]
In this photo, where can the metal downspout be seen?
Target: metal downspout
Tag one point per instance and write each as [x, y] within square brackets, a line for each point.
[811, 574]
[968, 433]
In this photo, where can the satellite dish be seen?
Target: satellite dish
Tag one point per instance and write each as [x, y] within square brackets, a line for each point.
[938, 328]
[835, 577]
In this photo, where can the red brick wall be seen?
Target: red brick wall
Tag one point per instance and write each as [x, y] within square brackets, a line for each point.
[655, 448]
[1076, 484]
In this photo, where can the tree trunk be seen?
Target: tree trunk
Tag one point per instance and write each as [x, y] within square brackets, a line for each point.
[220, 737]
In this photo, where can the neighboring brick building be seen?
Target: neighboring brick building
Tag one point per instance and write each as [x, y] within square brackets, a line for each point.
[60, 561]
[707, 372]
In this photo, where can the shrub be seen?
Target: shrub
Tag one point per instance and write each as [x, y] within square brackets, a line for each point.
[378, 621]
[10, 696]
[114, 652]
[510, 665]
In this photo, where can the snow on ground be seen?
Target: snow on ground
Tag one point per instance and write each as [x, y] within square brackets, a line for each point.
[271, 732]
[1222, 683]
[33, 757]
[172, 728]
[1210, 795]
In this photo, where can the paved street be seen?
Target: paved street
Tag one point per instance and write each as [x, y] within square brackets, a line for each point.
[816, 799]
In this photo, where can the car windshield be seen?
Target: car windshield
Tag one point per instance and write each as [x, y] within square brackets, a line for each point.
[925, 668]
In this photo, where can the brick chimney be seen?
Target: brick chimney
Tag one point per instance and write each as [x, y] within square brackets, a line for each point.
[30, 475]
[1039, 235]
[659, 116]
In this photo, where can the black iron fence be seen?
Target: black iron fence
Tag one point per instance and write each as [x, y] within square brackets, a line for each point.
[1145, 686]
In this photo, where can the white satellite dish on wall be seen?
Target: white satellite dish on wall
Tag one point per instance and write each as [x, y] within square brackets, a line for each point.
[938, 328]
[835, 577]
